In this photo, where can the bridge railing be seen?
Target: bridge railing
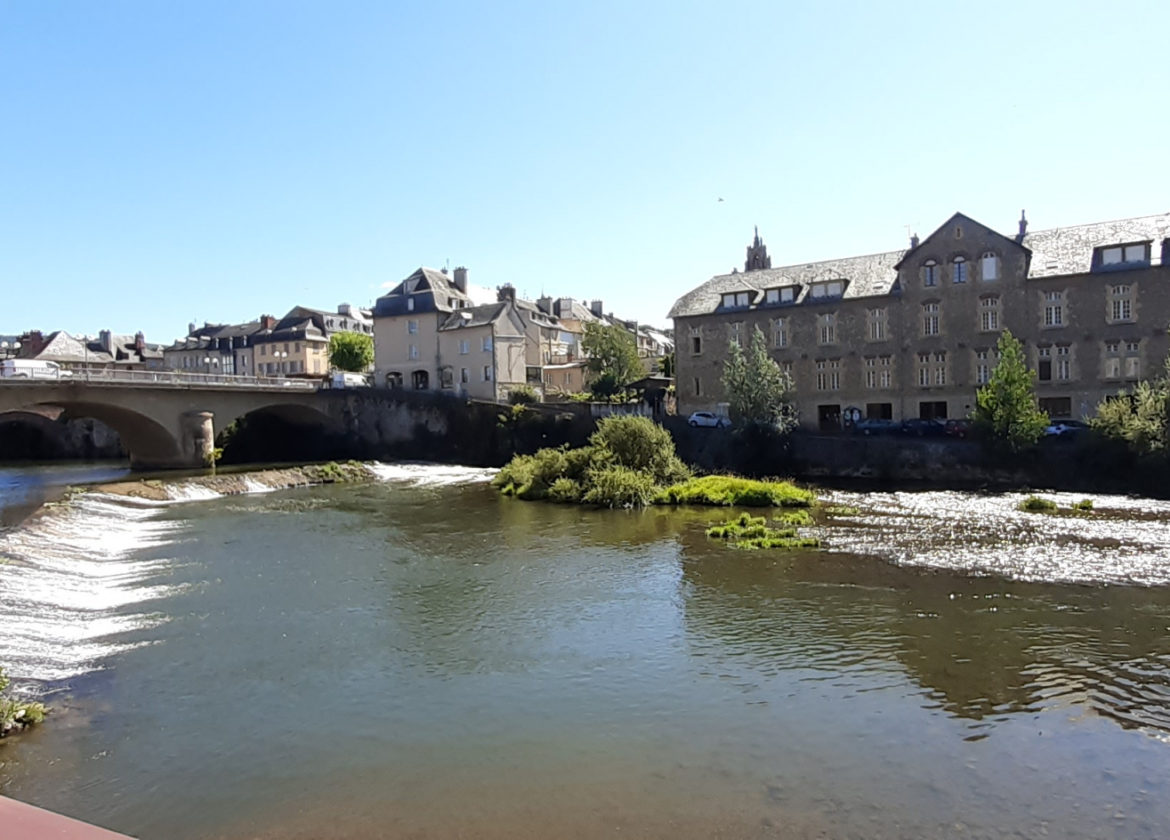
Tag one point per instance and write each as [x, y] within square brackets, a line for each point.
[96, 375]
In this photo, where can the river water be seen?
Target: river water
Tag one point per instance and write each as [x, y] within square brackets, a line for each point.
[421, 658]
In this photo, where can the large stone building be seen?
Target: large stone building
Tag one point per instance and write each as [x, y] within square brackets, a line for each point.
[912, 333]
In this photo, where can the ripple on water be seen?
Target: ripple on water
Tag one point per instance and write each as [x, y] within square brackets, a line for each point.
[1122, 540]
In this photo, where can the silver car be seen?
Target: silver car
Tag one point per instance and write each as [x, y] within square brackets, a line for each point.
[706, 418]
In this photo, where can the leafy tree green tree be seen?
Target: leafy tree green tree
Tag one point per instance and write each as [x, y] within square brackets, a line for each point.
[1140, 419]
[613, 358]
[351, 351]
[1005, 408]
[758, 390]
[666, 365]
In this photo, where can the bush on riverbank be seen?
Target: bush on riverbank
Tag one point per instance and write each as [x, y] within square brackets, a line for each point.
[631, 462]
[1037, 504]
[17, 714]
[752, 532]
[729, 491]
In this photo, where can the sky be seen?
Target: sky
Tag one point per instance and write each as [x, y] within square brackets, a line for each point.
[162, 163]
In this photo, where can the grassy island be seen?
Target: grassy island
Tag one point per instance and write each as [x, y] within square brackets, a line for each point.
[631, 462]
[17, 714]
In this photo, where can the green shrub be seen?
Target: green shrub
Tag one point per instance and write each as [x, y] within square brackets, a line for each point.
[17, 714]
[727, 491]
[752, 532]
[1035, 504]
[565, 491]
[523, 395]
[616, 486]
[639, 443]
[1083, 505]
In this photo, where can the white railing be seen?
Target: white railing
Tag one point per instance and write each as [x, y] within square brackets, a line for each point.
[168, 378]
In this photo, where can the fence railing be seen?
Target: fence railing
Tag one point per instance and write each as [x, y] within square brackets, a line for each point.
[165, 378]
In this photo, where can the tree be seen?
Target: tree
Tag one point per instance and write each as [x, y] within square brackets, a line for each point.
[1141, 419]
[351, 351]
[613, 358]
[666, 365]
[1005, 408]
[758, 390]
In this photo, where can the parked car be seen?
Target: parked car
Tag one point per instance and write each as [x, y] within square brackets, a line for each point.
[876, 426]
[957, 428]
[919, 427]
[1063, 428]
[707, 418]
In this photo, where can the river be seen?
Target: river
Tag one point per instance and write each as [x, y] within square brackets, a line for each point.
[422, 658]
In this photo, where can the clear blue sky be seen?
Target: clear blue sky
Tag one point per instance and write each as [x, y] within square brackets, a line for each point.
[162, 162]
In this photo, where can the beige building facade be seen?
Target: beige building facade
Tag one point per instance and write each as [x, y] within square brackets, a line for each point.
[912, 333]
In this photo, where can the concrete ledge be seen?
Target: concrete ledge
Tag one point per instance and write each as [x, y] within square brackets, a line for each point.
[19, 821]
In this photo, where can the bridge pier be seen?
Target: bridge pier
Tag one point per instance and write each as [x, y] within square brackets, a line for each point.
[197, 437]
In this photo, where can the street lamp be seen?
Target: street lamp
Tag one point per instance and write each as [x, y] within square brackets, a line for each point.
[280, 354]
[13, 346]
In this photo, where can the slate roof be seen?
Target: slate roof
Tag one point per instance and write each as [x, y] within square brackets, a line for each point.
[1069, 250]
[422, 280]
[482, 316]
[867, 276]
[63, 347]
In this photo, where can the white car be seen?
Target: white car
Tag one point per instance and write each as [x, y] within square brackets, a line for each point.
[706, 418]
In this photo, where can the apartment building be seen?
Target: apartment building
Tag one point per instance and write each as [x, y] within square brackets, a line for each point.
[912, 332]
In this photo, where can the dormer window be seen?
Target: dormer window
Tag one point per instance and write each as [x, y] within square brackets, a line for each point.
[785, 295]
[410, 304]
[831, 289]
[735, 300]
[1117, 255]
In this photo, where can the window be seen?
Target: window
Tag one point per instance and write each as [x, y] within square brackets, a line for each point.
[412, 326]
[1120, 303]
[787, 368]
[785, 295]
[735, 333]
[885, 372]
[982, 367]
[696, 341]
[930, 314]
[827, 328]
[464, 347]
[1133, 362]
[1112, 360]
[733, 300]
[940, 368]
[1063, 362]
[878, 321]
[410, 304]
[297, 347]
[1044, 364]
[932, 367]
[698, 387]
[1054, 309]
[871, 377]
[959, 270]
[832, 289]
[989, 314]
[828, 374]
[487, 373]
[464, 378]
[487, 343]
[923, 369]
[1121, 254]
[779, 333]
[930, 273]
[412, 353]
[989, 266]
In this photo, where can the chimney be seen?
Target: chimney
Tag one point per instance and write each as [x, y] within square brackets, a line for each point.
[461, 280]
[267, 322]
[106, 340]
[544, 304]
[1166, 252]
[31, 344]
[345, 309]
[504, 292]
[1023, 227]
[190, 328]
[139, 342]
[914, 240]
[595, 306]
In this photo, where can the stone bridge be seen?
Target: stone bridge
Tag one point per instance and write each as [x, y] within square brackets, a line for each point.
[172, 425]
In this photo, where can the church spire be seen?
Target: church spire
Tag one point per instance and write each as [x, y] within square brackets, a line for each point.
[757, 254]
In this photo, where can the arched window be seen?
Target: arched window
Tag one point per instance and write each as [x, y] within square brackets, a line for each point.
[959, 270]
[989, 266]
[930, 273]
